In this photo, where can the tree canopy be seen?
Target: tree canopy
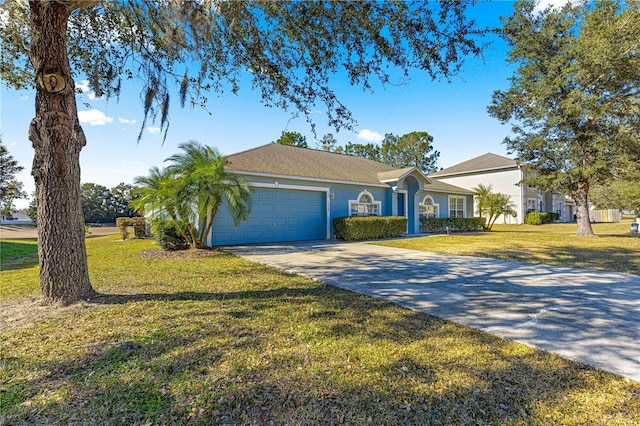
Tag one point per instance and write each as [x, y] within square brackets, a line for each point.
[574, 100]
[103, 205]
[292, 139]
[10, 188]
[291, 50]
[411, 149]
[288, 50]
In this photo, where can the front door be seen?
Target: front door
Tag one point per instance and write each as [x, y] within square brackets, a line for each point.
[401, 211]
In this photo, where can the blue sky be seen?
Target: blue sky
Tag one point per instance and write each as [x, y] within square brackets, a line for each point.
[454, 113]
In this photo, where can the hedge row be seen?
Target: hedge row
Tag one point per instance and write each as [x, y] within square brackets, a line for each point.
[541, 218]
[138, 223]
[357, 228]
[433, 225]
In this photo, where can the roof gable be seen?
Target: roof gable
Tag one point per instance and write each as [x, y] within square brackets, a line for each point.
[285, 160]
[486, 162]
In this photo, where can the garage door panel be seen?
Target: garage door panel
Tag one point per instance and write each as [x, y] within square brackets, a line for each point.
[276, 215]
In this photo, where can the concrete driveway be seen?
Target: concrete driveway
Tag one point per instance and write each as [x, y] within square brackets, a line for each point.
[590, 316]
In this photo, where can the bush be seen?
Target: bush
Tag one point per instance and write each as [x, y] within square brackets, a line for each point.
[540, 218]
[358, 228]
[122, 223]
[168, 236]
[433, 225]
[138, 223]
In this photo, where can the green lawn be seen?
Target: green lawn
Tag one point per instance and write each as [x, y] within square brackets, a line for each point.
[220, 340]
[614, 248]
[18, 253]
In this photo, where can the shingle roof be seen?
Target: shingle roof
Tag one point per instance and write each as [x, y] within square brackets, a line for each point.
[395, 174]
[484, 162]
[288, 160]
[285, 160]
[437, 186]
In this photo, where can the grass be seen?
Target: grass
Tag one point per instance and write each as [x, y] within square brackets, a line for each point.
[614, 248]
[220, 340]
[18, 253]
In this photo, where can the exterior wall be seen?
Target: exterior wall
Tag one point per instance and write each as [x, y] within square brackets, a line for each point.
[503, 181]
[338, 197]
[339, 194]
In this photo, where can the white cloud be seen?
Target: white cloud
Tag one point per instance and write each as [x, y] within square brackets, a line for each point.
[83, 86]
[126, 120]
[154, 130]
[24, 98]
[94, 117]
[370, 135]
[555, 4]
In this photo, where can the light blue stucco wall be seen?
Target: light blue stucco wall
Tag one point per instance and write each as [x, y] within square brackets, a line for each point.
[442, 199]
[340, 193]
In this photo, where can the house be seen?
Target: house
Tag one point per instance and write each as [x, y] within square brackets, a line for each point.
[298, 191]
[504, 175]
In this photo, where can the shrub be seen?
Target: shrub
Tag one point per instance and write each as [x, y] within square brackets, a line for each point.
[168, 236]
[357, 228]
[540, 218]
[139, 227]
[138, 223]
[122, 223]
[435, 225]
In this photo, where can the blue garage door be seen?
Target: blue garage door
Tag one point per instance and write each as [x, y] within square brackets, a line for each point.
[276, 215]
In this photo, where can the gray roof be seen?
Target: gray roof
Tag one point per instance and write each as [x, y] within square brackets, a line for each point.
[437, 186]
[482, 163]
[285, 160]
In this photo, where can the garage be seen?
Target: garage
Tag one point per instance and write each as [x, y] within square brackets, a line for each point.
[276, 215]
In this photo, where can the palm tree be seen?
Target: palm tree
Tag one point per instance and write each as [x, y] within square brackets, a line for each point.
[482, 195]
[192, 188]
[492, 205]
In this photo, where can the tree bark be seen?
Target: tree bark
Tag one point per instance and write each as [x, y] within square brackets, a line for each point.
[57, 140]
[581, 198]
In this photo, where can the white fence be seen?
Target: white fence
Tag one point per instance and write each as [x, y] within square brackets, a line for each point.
[610, 215]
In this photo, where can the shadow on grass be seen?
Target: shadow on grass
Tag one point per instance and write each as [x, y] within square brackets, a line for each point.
[228, 372]
[612, 259]
[18, 254]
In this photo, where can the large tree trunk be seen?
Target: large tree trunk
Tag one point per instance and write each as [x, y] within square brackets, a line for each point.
[581, 197]
[57, 140]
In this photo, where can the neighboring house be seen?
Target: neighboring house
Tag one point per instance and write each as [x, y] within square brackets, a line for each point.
[504, 175]
[298, 191]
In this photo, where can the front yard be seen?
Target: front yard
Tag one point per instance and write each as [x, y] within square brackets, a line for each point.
[614, 249]
[214, 339]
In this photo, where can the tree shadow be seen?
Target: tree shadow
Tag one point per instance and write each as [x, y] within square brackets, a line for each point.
[18, 254]
[214, 377]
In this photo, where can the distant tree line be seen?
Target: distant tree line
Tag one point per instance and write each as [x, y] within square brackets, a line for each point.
[411, 149]
[10, 188]
[99, 203]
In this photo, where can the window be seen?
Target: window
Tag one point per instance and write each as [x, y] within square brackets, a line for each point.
[428, 208]
[456, 207]
[365, 205]
[532, 205]
[559, 207]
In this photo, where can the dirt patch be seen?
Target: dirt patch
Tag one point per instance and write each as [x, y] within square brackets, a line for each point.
[12, 232]
[181, 254]
[29, 312]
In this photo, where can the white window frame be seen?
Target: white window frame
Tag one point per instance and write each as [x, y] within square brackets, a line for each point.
[559, 207]
[423, 208]
[535, 205]
[359, 208]
[464, 205]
